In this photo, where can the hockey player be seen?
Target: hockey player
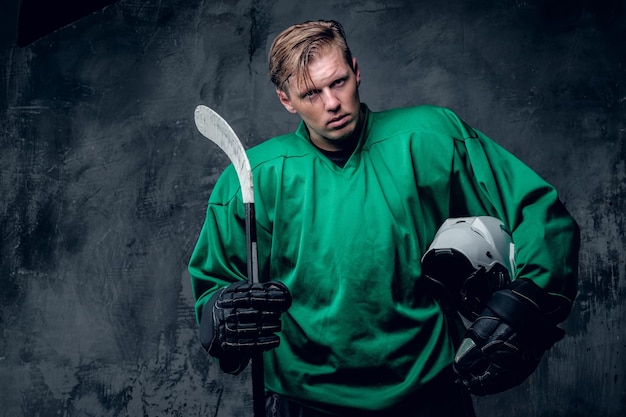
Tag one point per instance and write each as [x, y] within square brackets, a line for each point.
[346, 207]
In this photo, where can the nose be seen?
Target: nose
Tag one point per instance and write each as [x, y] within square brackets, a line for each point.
[331, 102]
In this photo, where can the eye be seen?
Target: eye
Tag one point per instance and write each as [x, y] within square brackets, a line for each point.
[311, 94]
[339, 82]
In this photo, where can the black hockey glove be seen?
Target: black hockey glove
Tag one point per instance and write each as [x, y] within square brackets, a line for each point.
[504, 345]
[242, 319]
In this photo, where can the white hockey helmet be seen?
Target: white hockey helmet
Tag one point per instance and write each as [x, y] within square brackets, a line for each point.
[468, 259]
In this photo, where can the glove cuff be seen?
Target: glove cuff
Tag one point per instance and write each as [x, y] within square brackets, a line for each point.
[530, 309]
[230, 363]
[207, 327]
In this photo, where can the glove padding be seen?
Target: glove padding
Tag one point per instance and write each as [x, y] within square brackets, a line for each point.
[243, 319]
[504, 345]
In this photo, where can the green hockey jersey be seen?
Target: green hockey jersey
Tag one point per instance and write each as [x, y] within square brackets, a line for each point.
[363, 331]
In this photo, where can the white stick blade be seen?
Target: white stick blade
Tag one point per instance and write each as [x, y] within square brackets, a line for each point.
[217, 130]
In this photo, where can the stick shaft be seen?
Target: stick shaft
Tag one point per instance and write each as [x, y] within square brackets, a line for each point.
[258, 385]
[258, 378]
[251, 242]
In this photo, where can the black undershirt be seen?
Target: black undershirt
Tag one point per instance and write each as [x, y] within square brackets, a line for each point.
[340, 157]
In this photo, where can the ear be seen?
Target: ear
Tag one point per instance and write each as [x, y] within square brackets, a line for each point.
[357, 71]
[285, 100]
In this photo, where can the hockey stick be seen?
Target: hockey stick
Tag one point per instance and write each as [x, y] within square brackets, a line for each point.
[217, 130]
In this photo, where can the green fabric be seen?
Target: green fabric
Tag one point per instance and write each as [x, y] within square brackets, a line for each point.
[362, 331]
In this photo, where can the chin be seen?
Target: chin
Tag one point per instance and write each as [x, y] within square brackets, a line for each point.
[347, 132]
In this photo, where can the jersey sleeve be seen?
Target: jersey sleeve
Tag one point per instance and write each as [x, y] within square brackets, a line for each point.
[489, 178]
[219, 257]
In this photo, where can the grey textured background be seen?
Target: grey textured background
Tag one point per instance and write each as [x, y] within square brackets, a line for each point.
[104, 180]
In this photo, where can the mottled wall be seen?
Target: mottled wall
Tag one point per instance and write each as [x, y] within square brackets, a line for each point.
[104, 180]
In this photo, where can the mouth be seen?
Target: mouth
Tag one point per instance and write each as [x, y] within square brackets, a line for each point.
[338, 121]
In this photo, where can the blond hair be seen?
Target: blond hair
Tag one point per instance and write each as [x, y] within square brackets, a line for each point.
[298, 45]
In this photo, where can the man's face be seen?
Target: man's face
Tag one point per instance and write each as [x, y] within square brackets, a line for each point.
[330, 105]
